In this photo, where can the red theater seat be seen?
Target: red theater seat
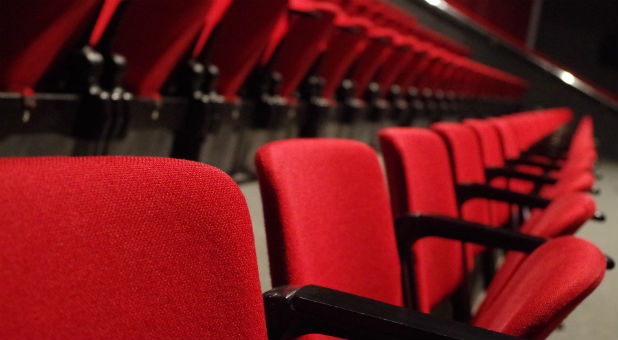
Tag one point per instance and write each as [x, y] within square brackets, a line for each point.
[321, 231]
[326, 213]
[420, 181]
[465, 155]
[124, 247]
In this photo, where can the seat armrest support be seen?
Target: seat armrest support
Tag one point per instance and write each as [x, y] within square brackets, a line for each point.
[295, 311]
[411, 227]
[492, 173]
[472, 190]
[525, 161]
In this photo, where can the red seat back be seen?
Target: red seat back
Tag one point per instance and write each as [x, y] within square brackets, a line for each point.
[344, 47]
[368, 62]
[327, 215]
[420, 180]
[125, 247]
[493, 158]
[240, 38]
[153, 36]
[511, 150]
[306, 37]
[467, 162]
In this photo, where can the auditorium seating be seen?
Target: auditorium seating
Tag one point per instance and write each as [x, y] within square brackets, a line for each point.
[414, 153]
[214, 80]
[182, 101]
[328, 222]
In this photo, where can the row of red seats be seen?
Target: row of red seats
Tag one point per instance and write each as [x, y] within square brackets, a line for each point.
[130, 247]
[328, 222]
[221, 78]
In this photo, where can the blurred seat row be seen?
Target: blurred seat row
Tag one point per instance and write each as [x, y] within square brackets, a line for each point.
[214, 80]
[137, 247]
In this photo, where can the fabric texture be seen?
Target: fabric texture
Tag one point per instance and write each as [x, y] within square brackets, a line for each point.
[420, 181]
[550, 283]
[125, 247]
[327, 217]
[467, 163]
[564, 216]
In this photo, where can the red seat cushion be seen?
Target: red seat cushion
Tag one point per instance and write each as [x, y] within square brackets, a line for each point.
[328, 220]
[549, 284]
[465, 152]
[562, 217]
[125, 247]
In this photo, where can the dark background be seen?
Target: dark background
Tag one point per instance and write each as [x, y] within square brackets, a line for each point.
[582, 35]
[574, 33]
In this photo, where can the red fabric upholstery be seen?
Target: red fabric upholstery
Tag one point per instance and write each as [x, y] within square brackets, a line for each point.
[465, 152]
[582, 142]
[125, 247]
[153, 36]
[420, 180]
[213, 16]
[550, 283]
[305, 39]
[34, 33]
[510, 150]
[366, 65]
[493, 158]
[343, 48]
[327, 217]
[417, 65]
[398, 59]
[242, 35]
[105, 15]
[577, 182]
[562, 217]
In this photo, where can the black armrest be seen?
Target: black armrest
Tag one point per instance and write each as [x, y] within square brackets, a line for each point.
[553, 155]
[471, 190]
[524, 161]
[293, 311]
[492, 173]
[412, 227]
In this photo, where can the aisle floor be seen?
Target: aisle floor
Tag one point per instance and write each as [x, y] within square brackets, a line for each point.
[595, 318]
